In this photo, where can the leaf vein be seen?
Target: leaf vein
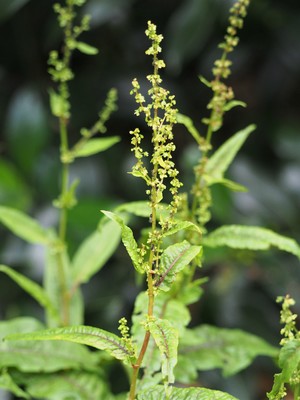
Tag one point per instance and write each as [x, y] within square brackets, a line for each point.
[163, 276]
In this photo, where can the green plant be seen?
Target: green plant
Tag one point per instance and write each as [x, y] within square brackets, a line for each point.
[159, 352]
[289, 354]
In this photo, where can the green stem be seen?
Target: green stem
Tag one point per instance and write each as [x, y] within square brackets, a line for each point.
[204, 158]
[63, 211]
[297, 392]
[64, 294]
[144, 347]
[65, 298]
[63, 217]
[153, 197]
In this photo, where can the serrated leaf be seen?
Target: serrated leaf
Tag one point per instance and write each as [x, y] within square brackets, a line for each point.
[289, 362]
[23, 226]
[94, 146]
[94, 252]
[86, 48]
[166, 339]
[173, 260]
[208, 347]
[143, 209]
[40, 356]
[219, 162]
[68, 385]
[182, 225]
[252, 238]
[188, 123]
[194, 393]
[236, 187]
[138, 208]
[32, 288]
[166, 308]
[128, 240]
[88, 335]
[7, 383]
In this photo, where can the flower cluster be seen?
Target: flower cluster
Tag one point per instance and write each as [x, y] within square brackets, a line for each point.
[60, 70]
[126, 339]
[109, 107]
[221, 101]
[160, 116]
[222, 94]
[287, 318]
[202, 196]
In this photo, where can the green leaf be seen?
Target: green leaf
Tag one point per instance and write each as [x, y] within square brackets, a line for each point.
[94, 252]
[234, 103]
[32, 288]
[182, 225]
[173, 260]
[166, 308]
[236, 187]
[40, 356]
[205, 81]
[250, 237]
[289, 359]
[138, 208]
[289, 362]
[158, 392]
[23, 226]
[192, 291]
[143, 209]
[188, 123]
[68, 385]
[88, 335]
[13, 188]
[128, 240]
[166, 339]
[86, 48]
[219, 162]
[7, 383]
[208, 347]
[94, 146]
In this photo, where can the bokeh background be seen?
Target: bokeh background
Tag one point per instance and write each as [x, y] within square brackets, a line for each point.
[242, 286]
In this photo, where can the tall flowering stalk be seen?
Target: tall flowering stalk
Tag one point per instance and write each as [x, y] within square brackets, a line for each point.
[160, 116]
[221, 102]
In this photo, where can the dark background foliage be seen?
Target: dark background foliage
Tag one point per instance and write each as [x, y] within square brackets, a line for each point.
[242, 286]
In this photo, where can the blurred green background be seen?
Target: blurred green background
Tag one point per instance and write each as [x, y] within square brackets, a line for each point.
[242, 286]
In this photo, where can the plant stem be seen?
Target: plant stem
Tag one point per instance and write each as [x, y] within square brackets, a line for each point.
[200, 182]
[153, 197]
[64, 181]
[65, 298]
[63, 89]
[143, 350]
[297, 392]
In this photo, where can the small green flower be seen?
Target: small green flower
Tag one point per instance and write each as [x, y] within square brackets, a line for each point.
[288, 319]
